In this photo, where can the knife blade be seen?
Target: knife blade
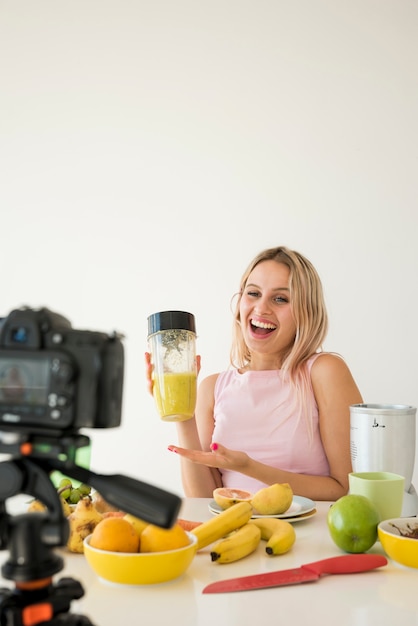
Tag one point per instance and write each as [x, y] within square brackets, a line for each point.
[346, 564]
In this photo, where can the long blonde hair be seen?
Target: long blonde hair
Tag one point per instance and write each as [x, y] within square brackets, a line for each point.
[309, 312]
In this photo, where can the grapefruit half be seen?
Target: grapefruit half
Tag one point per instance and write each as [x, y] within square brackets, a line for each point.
[225, 498]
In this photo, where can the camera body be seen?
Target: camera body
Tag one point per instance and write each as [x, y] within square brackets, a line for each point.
[55, 379]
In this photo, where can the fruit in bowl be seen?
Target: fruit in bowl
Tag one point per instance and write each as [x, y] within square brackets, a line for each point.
[399, 539]
[140, 568]
[118, 553]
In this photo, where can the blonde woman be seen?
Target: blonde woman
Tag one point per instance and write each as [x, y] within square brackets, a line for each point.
[280, 413]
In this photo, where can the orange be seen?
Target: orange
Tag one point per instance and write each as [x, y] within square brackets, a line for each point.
[156, 539]
[115, 534]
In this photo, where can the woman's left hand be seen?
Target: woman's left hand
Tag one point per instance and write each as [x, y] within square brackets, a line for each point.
[219, 457]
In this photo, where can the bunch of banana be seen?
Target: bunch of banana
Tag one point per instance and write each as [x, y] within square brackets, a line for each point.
[279, 534]
[221, 525]
[236, 545]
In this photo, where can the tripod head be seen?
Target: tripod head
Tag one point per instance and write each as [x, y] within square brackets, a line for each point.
[31, 537]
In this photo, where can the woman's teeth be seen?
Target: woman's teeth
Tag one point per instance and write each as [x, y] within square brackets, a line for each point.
[263, 325]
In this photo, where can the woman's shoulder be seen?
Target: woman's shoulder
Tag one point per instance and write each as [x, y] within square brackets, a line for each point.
[325, 357]
[208, 383]
[327, 365]
[209, 380]
[213, 381]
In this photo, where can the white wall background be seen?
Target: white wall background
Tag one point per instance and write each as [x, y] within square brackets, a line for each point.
[148, 150]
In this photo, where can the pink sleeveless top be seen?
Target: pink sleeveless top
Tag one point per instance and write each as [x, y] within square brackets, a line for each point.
[255, 412]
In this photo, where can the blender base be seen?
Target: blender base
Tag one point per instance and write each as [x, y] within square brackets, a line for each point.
[410, 503]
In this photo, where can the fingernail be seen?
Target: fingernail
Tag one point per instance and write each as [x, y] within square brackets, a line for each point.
[214, 446]
[172, 449]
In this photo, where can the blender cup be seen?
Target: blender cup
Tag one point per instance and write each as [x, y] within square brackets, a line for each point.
[172, 342]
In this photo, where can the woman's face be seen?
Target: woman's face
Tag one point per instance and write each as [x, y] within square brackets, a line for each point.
[266, 317]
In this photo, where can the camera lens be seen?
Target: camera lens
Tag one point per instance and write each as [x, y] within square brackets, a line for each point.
[19, 335]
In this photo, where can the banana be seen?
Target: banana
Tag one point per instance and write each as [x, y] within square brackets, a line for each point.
[220, 525]
[279, 534]
[36, 506]
[238, 544]
[66, 509]
[268, 526]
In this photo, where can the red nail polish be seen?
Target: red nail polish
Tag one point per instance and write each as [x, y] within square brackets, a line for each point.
[214, 446]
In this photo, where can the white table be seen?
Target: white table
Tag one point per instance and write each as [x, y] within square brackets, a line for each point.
[386, 596]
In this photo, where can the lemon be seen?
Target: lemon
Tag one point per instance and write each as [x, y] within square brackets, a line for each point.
[156, 539]
[137, 523]
[273, 500]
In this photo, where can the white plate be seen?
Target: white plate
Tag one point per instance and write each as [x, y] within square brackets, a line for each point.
[297, 511]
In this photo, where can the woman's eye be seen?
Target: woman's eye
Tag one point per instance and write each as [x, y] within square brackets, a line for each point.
[281, 300]
[253, 294]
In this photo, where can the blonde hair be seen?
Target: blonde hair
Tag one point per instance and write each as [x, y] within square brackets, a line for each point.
[309, 313]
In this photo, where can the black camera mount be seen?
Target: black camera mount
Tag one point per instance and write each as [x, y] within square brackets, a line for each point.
[32, 537]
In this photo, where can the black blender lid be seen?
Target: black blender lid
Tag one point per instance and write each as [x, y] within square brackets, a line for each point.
[168, 320]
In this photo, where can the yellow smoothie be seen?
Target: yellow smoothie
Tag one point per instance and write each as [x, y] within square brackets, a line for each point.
[175, 395]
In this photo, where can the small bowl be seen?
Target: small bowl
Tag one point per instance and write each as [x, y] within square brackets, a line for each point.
[403, 550]
[141, 568]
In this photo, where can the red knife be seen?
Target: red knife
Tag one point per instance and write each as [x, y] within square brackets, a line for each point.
[347, 564]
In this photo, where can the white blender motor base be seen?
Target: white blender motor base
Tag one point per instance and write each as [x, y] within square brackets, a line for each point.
[410, 503]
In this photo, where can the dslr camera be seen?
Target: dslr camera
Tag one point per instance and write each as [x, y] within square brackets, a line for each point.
[55, 379]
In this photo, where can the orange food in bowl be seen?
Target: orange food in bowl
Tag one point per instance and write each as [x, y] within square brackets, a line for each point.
[142, 568]
[116, 535]
[156, 539]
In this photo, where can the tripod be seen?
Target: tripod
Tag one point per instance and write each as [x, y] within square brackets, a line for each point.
[31, 537]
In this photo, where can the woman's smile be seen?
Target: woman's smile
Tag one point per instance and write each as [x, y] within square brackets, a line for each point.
[261, 328]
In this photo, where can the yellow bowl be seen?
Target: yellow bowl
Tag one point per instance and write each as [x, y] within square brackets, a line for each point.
[143, 568]
[403, 550]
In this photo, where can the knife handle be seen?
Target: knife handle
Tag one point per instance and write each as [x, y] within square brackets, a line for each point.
[347, 564]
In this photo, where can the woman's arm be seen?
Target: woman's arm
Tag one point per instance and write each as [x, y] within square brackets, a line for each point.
[198, 480]
[335, 390]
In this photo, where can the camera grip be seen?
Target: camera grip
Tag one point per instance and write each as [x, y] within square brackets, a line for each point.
[148, 502]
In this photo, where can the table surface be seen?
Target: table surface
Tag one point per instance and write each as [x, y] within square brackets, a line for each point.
[385, 596]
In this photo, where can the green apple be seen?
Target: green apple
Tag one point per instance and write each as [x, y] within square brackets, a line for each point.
[352, 523]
